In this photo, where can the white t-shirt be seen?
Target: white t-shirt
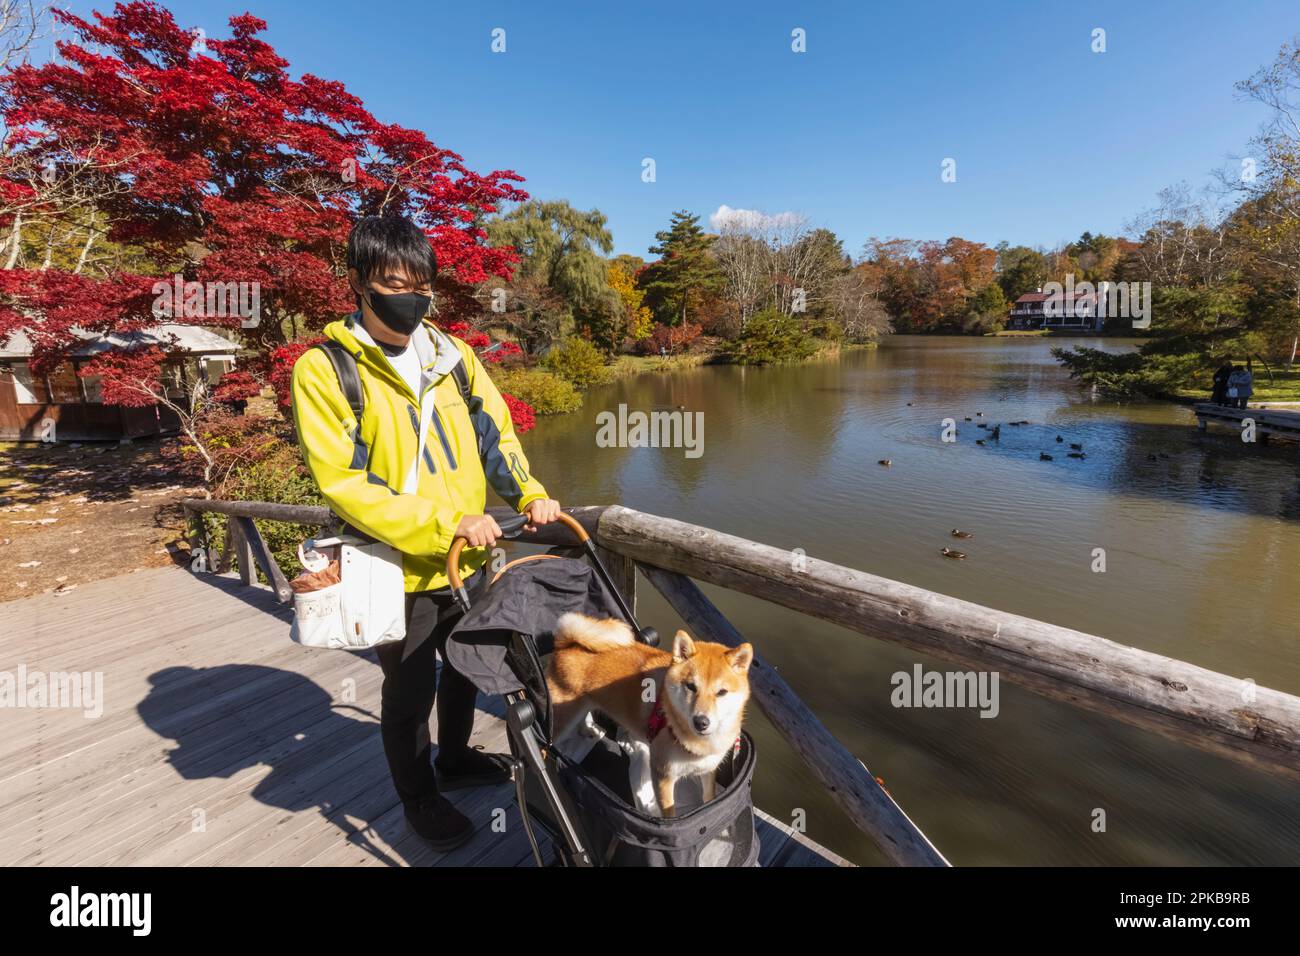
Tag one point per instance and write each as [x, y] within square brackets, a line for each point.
[407, 365]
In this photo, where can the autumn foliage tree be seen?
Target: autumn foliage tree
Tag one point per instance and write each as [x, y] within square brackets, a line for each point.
[210, 161]
[638, 321]
[929, 286]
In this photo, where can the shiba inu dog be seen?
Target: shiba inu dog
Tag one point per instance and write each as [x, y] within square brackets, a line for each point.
[685, 706]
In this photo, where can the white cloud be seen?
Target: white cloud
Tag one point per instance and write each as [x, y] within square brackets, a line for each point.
[751, 219]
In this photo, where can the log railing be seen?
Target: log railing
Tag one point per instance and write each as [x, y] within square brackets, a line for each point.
[1224, 715]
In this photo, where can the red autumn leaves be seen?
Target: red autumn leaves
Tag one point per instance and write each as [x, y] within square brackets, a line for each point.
[168, 153]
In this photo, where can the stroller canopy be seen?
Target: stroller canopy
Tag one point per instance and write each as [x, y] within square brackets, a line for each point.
[526, 599]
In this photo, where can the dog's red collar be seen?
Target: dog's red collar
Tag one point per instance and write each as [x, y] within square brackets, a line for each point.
[658, 720]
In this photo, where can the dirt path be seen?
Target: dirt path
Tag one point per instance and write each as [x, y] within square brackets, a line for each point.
[70, 514]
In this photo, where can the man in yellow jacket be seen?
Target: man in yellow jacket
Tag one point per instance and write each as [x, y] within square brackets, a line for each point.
[418, 496]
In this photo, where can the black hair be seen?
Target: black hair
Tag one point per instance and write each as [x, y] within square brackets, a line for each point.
[382, 242]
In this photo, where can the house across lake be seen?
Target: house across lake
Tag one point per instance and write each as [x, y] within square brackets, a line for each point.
[1065, 310]
[65, 406]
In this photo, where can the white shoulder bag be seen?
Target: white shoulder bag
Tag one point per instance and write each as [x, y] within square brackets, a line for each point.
[367, 607]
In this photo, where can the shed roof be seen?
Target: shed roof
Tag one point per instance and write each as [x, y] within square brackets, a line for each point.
[191, 339]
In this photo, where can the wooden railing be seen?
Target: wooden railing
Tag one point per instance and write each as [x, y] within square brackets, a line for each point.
[1224, 715]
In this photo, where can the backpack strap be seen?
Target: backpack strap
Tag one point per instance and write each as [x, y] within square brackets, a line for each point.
[461, 375]
[472, 402]
[345, 367]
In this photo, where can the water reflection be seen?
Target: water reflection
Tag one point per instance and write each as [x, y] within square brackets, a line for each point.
[1200, 537]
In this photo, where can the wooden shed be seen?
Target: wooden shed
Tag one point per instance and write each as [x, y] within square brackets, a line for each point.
[65, 406]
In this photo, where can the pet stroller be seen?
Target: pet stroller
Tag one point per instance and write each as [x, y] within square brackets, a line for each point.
[581, 795]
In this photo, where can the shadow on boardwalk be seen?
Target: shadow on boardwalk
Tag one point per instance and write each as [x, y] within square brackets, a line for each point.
[293, 726]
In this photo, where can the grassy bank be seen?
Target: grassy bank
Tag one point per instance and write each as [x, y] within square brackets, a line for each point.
[1284, 387]
[626, 365]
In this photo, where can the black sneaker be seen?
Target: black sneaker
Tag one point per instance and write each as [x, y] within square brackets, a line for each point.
[438, 823]
[474, 768]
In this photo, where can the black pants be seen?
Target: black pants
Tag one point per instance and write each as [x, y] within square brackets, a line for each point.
[410, 687]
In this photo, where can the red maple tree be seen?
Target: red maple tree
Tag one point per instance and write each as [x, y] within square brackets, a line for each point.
[207, 160]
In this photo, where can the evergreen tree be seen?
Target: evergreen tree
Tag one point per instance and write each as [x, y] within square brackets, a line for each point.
[685, 273]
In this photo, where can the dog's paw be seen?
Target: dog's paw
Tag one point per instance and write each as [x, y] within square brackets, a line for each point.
[640, 778]
[625, 743]
[589, 727]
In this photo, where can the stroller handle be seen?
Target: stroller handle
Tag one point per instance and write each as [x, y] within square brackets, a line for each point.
[510, 528]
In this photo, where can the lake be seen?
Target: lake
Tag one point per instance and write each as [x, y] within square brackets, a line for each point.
[1201, 535]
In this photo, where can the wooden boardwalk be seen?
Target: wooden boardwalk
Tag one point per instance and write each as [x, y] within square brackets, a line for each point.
[221, 742]
[1268, 422]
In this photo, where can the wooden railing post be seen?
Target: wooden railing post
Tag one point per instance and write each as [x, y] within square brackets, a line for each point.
[227, 549]
[241, 550]
[256, 546]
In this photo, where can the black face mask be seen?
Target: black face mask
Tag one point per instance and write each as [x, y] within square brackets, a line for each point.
[400, 311]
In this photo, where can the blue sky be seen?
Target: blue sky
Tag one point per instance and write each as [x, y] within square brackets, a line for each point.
[1050, 138]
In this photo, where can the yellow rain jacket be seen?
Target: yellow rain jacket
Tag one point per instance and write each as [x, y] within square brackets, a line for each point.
[362, 474]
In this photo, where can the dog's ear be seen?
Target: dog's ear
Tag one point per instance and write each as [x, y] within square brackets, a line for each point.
[741, 657]
[683, 646]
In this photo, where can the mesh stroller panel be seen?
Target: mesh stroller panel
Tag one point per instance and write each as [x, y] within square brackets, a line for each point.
[719, 833]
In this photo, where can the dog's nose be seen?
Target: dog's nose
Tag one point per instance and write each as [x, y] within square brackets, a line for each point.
[701, 723]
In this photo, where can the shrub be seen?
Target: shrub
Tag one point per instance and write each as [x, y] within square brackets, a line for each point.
[522, 415]
[236, 386]
[502, 352]
[983, 323]
[827, 329]
[231, 440]
[491, 353]
[669, 339]
[471, 337]
[546, 392]
[256, 459]
[280, 476]
[770, 338]
[579, 362]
